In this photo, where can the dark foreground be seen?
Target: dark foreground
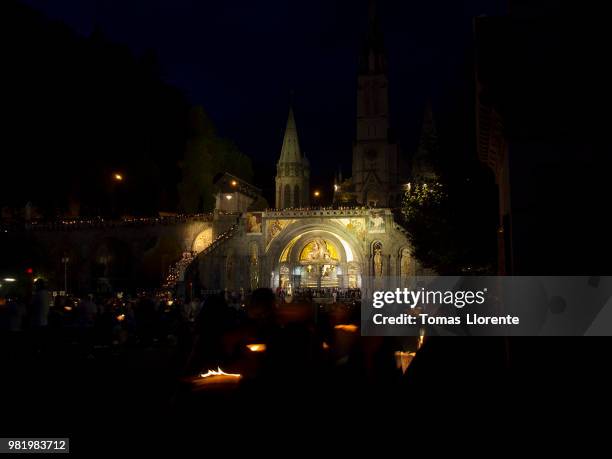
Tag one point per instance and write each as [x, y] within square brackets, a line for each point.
[137, 395]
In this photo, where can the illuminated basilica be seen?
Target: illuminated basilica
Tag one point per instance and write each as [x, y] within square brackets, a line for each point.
[297, 246]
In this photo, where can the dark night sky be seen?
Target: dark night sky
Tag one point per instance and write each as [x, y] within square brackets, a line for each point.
[240, 59]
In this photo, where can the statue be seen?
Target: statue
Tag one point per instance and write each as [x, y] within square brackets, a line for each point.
[378, 268]
[405, 263]
[253, 224]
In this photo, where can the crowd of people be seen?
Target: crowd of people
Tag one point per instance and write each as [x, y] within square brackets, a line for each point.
[274, 345]
[143, 318]
[317, 293]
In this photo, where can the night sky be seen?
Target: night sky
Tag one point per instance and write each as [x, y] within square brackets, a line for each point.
[241, 59]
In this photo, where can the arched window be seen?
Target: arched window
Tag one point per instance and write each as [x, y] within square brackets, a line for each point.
[296, 196]
[287, 197]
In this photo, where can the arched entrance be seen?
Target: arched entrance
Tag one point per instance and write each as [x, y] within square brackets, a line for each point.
[318, 258]
[202, 240]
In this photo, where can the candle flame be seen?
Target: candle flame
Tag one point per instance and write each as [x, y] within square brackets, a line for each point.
[351, 328]
[404, 359]
[421, 338]
[256, 347]
[219, 372]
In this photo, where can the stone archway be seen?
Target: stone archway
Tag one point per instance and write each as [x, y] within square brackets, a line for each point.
[315, 256]
[202, 240]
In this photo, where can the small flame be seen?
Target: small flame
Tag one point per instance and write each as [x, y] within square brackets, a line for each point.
[404, 359]
[121, 317]
[421, 338]
[325, 345]
[351, 328]
[219, 372]
[256, 347]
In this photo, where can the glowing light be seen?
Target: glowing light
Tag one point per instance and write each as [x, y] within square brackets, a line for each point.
[345, 245]
[68, 308]
[336, 187]
[234, 183]
[29, 271]
[350, 328]
[421, 338]
[121, 317]
[228, 196]
[317, 194]
[170, 302]
[9, 279]
[403, 359]
[325, 345]
[219, 372]
[118, 177]
[256, 347]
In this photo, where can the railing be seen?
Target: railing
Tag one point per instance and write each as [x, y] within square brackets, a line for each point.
[318, 211]
[71, 224]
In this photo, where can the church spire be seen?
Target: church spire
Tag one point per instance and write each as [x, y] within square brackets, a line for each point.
[292, 170]
[290, 152]
[372, 59]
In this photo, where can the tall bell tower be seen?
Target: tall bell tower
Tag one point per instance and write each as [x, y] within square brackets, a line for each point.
[375, 158]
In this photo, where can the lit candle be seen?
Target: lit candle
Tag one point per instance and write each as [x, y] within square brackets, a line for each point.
[404, 359]
[350, 328]
[217, 378]
[256, 347]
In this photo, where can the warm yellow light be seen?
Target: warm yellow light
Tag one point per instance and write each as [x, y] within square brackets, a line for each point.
[228, 196]
[336, 187]
[404, 359]
[9, 279]
[351, 328]
[317, 194]
[118, 177]
[234, 183]
[121, 317]
[325, 345]
[256, 347]
[220, 372]
[68, 308]
[421, 338]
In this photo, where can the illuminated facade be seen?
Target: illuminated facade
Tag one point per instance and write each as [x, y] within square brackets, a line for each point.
[315, 248]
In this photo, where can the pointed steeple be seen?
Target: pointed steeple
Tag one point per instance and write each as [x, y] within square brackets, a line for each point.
[290, 152]
[292, 170]
[372, 59]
